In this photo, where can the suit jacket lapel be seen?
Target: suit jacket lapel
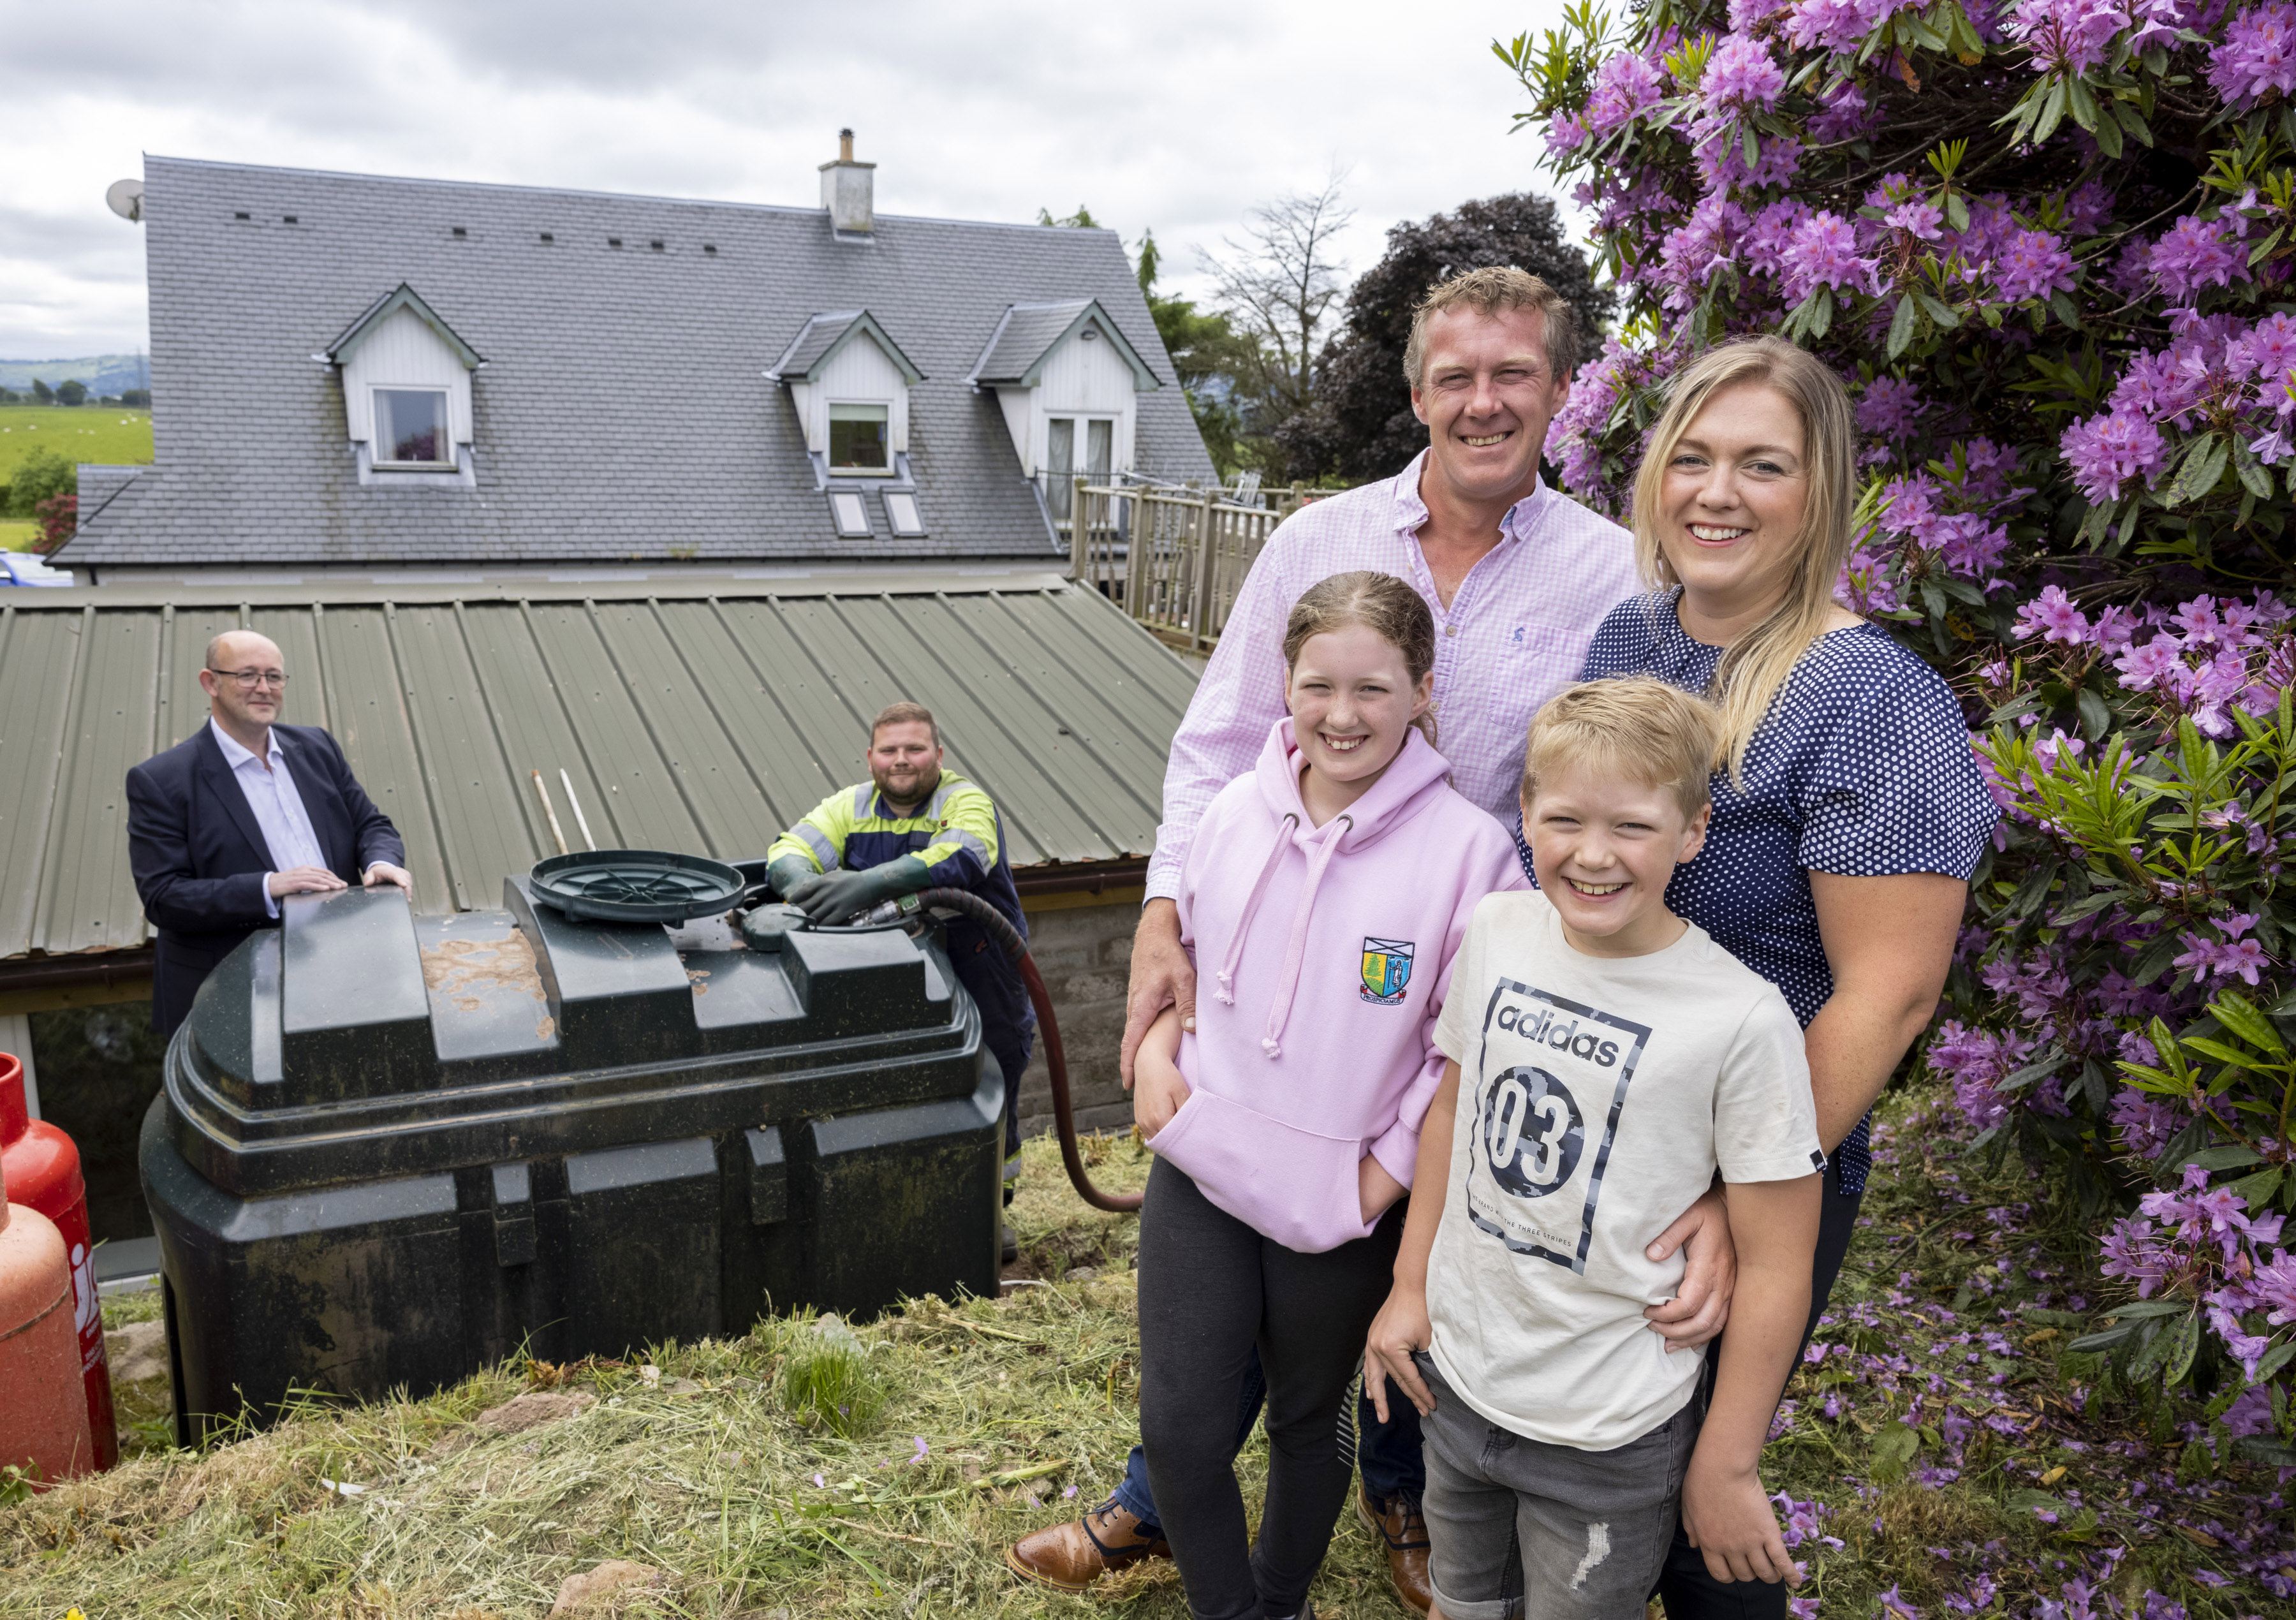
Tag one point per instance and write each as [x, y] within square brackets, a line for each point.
[228, 792]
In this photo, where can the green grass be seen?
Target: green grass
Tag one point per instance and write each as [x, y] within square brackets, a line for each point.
[18, 533]
[982, 1419]
[89, 433]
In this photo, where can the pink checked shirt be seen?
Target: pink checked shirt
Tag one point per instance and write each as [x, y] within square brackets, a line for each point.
[1514, 635]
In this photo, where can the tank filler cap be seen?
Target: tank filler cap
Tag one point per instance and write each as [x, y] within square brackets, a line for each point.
[765, 927]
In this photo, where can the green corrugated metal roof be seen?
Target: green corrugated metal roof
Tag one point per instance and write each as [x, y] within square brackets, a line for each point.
[702, 718]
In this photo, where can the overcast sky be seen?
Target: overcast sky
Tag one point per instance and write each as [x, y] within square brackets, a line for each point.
[1179, 116]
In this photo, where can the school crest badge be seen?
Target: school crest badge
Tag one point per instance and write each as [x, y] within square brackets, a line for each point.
[1386, 969]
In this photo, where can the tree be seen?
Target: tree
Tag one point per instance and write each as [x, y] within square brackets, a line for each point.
[42, 392]
[1276, 287]
[1360, 425]
[138, 397]
[59, 518]
[72, 391]
[1205, 351]
[1081, 220]
[39, 476]
[2049, 247]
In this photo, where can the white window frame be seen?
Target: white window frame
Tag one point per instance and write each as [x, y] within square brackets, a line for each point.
[378, 416]
[827, 438]
[896, 502]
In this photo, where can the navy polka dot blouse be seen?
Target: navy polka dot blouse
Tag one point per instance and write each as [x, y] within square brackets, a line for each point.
[1862, 768]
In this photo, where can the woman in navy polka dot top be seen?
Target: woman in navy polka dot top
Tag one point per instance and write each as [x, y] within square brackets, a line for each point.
[1849, 812]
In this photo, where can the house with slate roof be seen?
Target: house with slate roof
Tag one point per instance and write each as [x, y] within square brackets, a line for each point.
[365, 378]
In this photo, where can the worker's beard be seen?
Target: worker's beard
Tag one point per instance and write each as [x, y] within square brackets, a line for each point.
[914, 795]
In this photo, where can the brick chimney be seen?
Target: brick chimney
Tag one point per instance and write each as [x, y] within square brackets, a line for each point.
[849, 190]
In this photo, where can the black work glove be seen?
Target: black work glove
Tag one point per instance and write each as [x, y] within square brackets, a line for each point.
[785, 876]
[836, 896]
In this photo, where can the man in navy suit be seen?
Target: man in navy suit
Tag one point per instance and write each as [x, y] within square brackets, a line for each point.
[240, 814]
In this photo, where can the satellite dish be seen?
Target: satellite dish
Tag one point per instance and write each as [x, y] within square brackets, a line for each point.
[126, 198]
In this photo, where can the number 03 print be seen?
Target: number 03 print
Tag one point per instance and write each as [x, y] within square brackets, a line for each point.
[1554, 1080]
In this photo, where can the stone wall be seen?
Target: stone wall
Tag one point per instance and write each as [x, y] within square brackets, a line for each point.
[1085, 952]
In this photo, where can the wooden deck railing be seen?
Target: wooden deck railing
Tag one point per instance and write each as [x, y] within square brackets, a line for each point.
[1173, 559]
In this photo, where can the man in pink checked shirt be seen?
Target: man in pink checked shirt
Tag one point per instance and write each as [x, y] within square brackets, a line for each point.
[1518, 576]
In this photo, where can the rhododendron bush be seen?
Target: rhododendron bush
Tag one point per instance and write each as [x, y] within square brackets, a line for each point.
[2048, 244]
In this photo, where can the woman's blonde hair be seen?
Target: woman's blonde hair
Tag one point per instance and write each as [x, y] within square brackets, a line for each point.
[1639, 727]
[1751, 673]
[1386, 606]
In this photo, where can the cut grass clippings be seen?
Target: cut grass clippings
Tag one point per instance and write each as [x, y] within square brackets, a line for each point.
[722, 1466]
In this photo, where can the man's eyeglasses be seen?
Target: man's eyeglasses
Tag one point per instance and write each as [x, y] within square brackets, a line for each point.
[249, 679]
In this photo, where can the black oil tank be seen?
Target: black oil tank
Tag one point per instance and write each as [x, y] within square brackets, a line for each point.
[393, 1149]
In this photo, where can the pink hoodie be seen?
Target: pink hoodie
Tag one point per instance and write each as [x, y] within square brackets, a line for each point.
[1322, 954]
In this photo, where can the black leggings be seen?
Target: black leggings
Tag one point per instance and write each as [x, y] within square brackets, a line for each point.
[1212, 1290]
[1686, 1588]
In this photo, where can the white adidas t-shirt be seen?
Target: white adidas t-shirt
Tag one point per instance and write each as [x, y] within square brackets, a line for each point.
[1597, 1095]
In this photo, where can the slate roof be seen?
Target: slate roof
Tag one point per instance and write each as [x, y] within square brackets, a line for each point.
[704, 717]
[824, 334]
[623, 414]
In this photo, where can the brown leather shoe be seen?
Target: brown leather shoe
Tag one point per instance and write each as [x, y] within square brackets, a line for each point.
[1398, 1523]
[1072, 1556]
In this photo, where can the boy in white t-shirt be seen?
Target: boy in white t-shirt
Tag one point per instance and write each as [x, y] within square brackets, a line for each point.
[1614, 1058]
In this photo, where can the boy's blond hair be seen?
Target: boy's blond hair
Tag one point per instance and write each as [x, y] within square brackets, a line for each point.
[1637, 726]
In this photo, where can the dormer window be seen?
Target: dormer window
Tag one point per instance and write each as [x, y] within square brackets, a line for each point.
[858, 441]
[407, 393]
[1069, 383]
[849, 383]
[410, 429]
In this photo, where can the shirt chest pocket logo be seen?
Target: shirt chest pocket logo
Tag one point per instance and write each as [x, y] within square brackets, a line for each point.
[1386, 970]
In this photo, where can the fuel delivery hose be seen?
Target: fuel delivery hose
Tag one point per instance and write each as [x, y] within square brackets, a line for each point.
[1001, 930]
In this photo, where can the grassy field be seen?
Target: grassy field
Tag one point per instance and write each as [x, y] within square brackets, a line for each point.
[1941, 1456]
[89, 433]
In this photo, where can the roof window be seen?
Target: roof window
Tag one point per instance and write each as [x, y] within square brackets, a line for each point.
[242, 214]
[459, 231]
[547, 239]
[613, 241]
[286, 219]
[901, 511]
[710, 248]
[852, 517]
[655, 244]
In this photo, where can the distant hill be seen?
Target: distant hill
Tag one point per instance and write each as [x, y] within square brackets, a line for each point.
[102, 373]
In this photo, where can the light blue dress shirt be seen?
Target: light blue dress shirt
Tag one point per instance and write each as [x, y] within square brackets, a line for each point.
[278, 808]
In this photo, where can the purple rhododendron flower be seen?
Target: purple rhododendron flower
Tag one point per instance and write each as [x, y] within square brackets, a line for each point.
[1741, 73]
[1824, 253]
[2067, 36]
[2198, 253]
[2256, 59]
[2034, 265]
[2105, 452]
[1626, 87]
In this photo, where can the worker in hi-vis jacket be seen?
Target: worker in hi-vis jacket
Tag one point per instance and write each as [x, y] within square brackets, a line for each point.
[913, 826]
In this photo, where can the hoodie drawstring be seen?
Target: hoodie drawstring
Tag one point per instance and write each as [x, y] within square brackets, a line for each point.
[1287, 984]
[1226, 989]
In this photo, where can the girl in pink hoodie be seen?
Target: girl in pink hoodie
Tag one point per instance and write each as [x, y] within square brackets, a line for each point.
[1322, 899]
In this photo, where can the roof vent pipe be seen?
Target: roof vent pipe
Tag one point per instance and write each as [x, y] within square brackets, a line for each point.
[847, 191]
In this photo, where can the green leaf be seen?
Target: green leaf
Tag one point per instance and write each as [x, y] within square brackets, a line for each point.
[2143, 1309]
[2268, 1449]
[2111, 1339]
[2097, 719]
[2229, 1156]
[2275, 1359]
[2263, 250]
[1956, 211]
[1894, 1451]
[1821, 317]
[1901, 327]
[2221, 1053]
[2052, 110]
[2238, 1014]
[2062, 305]
[2035, 1501]
[2185, 1343]
[2204, 463]
[2257, 1189]
[1938, 312]
[2082, 105]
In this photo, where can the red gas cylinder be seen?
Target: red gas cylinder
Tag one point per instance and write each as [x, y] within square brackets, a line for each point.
[43, 1413]
[42, 1167]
